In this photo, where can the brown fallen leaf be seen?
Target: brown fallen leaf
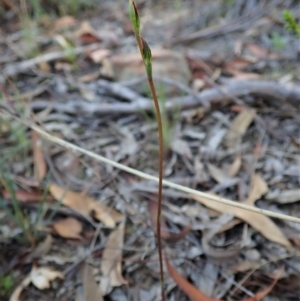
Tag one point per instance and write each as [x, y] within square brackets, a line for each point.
[86, 205]
[40, 167]
[190, 290]
[44, 66]
[261, 223]
[257, 51]
[111, 263]
[258, 296]
[99, 54]
[238, 63]
[259, 188]
[239, 127]
[65, 21]
[91, 289]
[235, 167]
[26, 196]
[86, 33]
[68, 228]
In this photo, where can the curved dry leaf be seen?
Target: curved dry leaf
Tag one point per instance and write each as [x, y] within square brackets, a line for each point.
[26, 196]
[71, 199]
[235, 167]
[190, 290]
[261, 223]
[41, 277]
[217, 174]
[68, 228]
[239, 127]
[259, 188]
[63, 22]
[85, 205]
[111, 264]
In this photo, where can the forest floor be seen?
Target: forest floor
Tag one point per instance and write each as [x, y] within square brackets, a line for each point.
[73, 227]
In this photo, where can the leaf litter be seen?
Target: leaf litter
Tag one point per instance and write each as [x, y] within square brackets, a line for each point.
[241, 145]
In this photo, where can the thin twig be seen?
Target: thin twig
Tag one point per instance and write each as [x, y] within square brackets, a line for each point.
[213, 96]
[191, 192]
[14, 69]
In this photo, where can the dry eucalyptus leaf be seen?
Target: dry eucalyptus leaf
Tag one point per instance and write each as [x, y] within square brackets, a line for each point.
[86, 32]
[239, 127]
[91, 289]
[284, 196]
[99, 54]
[85, 205]
[259, 188]
[181, 148]
[261, 223]
[64, 22]
[40, 167]
[217, 174]
[68, 228]
[111, 264]
[235, 167]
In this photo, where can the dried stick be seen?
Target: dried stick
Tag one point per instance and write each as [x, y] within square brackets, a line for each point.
[212, 96]
[14, 69]
[189, 191]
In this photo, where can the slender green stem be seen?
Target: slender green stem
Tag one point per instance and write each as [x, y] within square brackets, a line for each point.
[160, 169]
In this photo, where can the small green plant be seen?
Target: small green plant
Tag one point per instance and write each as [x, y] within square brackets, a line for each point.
[6, 284]
[277, 41]
[30, 225]
[72, 7]
[19, 151]
[37, 9]
[290, 22]
[16, 214]
[146, 55]
[29, 34]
